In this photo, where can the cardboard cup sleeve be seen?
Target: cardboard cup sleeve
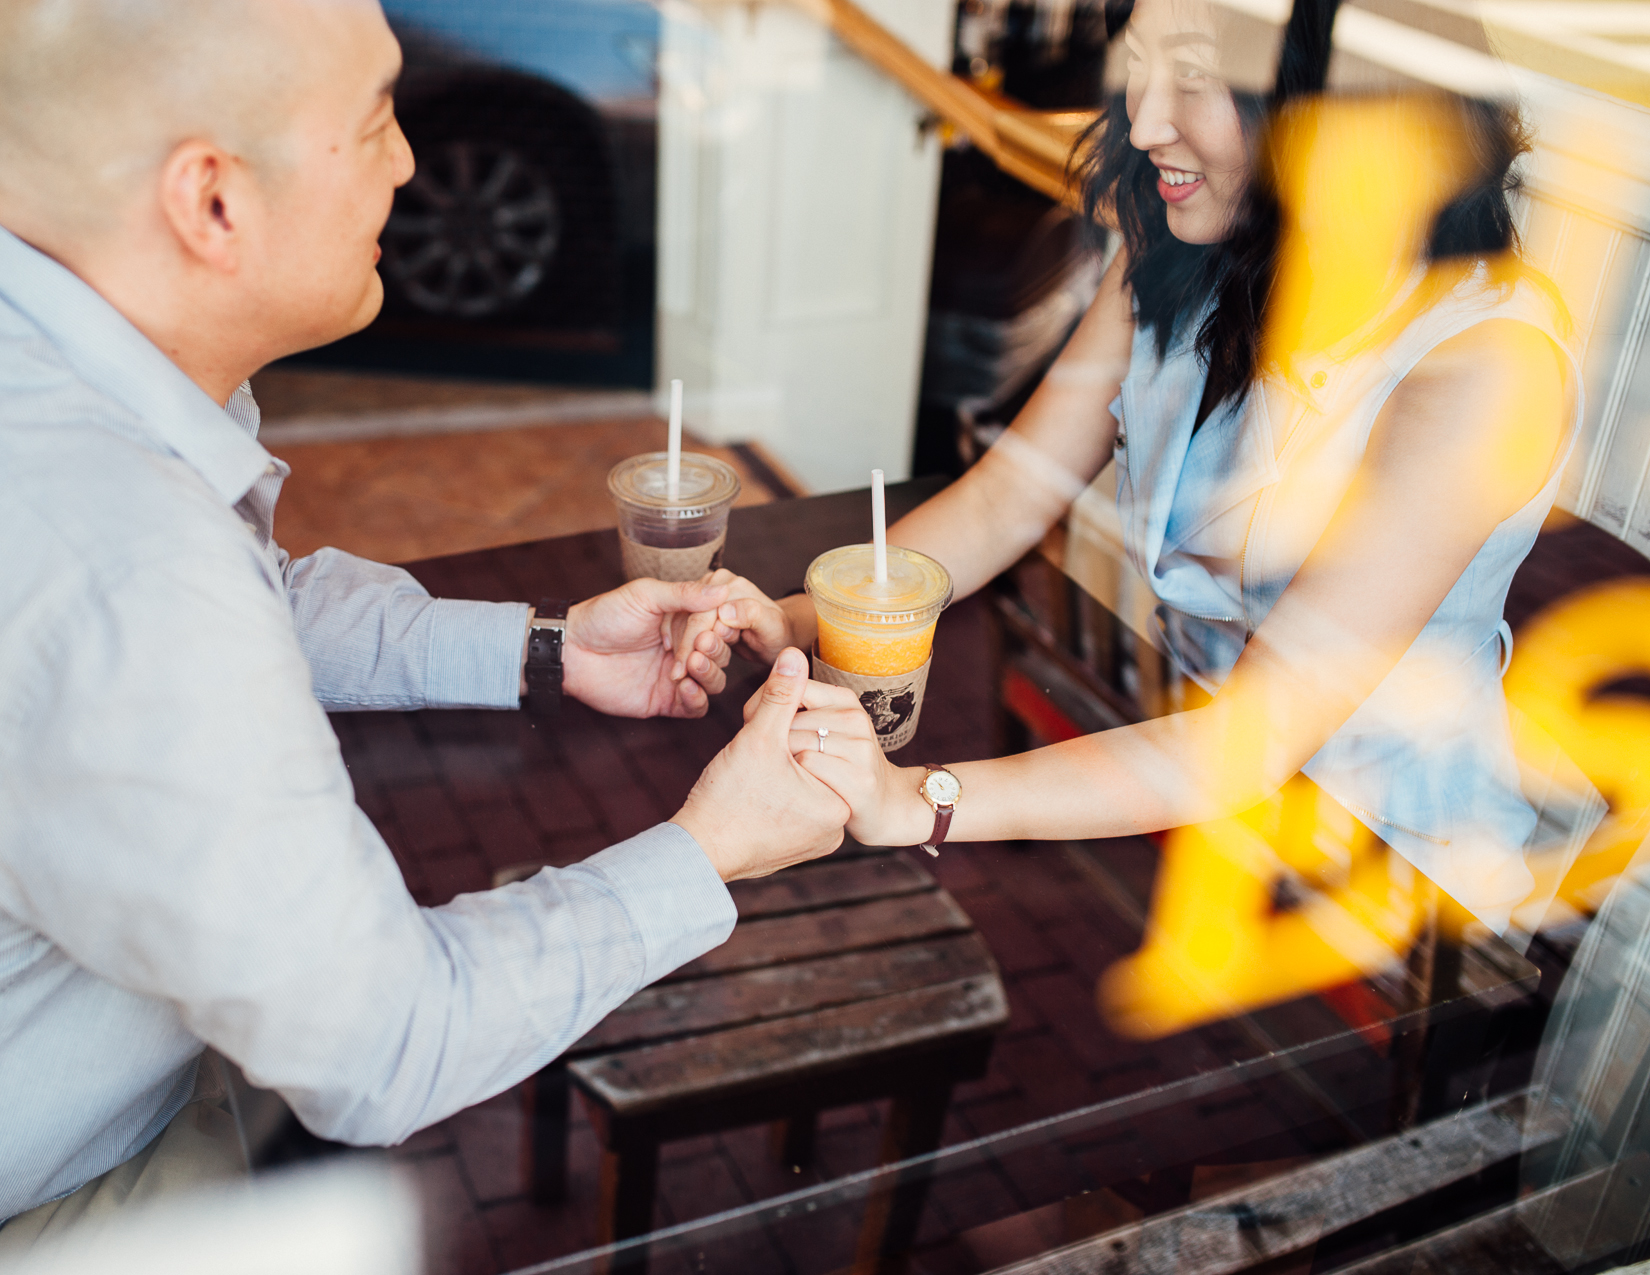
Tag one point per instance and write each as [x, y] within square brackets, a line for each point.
[894, 703]
[670, 564]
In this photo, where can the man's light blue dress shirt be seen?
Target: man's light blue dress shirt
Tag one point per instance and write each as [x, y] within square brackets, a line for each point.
[182, 862]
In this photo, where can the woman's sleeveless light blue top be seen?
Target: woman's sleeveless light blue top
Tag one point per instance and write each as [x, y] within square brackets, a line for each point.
[1218, 522]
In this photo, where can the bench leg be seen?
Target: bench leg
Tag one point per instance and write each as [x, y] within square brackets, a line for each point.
[630, 1175]
[792, 1140]
[895, 1207]
[547, 1096]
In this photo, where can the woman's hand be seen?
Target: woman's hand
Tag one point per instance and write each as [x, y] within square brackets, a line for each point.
[887, 808]
[749, 621]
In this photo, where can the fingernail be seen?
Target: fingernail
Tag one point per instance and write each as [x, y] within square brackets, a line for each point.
[791, 663]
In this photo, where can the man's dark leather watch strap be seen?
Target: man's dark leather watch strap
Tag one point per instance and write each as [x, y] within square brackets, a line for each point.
[544, 656]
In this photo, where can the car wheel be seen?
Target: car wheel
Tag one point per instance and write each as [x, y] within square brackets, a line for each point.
[511, 218]
[475, 231]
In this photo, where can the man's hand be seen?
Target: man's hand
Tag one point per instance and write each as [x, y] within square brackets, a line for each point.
[755, 810]
[620, 655]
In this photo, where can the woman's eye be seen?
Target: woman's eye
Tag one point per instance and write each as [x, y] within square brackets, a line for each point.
[1187, 73]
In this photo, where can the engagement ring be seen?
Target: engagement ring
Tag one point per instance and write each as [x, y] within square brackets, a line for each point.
[822, 735]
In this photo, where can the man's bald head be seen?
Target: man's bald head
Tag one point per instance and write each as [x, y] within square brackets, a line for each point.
[95, 94]
[217, 170]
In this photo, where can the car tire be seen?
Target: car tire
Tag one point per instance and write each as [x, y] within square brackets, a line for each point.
[510, 219]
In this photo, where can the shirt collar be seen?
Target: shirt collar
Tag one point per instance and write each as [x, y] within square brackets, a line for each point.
[119, 361]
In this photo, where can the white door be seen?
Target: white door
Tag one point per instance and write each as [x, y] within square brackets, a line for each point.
[796, 218]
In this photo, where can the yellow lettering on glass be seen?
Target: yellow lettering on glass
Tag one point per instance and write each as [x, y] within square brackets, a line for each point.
[1284, 900]
[1564, 664]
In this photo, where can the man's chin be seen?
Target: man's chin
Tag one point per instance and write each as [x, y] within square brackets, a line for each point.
[372, 301]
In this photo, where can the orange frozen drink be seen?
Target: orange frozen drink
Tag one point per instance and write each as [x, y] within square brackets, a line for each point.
[877, 630]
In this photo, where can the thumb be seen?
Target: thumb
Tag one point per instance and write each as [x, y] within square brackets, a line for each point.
[782, 695]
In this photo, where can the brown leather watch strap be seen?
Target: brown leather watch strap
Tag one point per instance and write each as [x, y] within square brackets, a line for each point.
[942, 825]
[942, 818]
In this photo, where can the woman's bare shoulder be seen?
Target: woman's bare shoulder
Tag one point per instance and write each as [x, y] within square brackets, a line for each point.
[1495, 399]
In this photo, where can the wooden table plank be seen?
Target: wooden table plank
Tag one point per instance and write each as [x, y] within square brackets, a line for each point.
[865, 1035]
[820, 884]
[842, 929]
[1243, 1228]
[674, 1009]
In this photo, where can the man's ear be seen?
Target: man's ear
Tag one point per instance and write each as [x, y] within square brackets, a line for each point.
[202, 195]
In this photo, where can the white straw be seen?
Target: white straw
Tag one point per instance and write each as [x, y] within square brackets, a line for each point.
[673, 459]
[879, 530]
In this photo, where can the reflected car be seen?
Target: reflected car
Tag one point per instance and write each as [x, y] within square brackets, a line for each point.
[533, 128]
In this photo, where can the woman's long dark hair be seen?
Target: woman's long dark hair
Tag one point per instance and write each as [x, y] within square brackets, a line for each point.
[1172, 281]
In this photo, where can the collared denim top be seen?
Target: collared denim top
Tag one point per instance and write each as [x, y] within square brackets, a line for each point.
[1219, 520]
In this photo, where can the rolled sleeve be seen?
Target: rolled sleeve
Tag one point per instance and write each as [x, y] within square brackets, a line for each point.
[475, 654]
[376, 639]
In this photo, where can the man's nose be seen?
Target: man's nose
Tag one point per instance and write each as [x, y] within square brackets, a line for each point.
[403, 164]
[1152, 121]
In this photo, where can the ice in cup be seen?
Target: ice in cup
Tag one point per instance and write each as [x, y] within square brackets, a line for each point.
[876, 639]
[667, 538]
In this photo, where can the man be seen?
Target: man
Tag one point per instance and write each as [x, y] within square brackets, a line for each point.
[188, 190]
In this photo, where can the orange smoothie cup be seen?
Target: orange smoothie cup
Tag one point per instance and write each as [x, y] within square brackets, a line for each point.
[877, 639]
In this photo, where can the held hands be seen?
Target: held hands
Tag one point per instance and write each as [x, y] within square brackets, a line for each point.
[751, 622]
[635, 652]
[887, 809]
[756, 809]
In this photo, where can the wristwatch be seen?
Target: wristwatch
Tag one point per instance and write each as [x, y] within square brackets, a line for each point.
[940, 789]
[546, 632]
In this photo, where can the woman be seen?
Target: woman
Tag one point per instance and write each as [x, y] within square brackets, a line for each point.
[1338, 414]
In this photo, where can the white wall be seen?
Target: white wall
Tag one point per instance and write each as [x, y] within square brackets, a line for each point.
[796, 216]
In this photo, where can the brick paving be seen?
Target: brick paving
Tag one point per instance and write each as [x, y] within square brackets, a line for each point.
[460, 795]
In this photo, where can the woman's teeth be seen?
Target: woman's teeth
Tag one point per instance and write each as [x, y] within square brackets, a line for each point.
[1174, 177]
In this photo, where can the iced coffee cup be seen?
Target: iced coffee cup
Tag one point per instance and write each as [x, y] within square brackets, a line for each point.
[878, 639]
[672, 538]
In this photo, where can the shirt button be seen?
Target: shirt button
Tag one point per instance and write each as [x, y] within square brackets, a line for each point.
[270, 469]
[1319, 380]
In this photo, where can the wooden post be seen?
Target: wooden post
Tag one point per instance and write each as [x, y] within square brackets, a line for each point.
[895, 1207]
[546, 1096]
[629, 1178]
[1409, 1046]
[792, 1140]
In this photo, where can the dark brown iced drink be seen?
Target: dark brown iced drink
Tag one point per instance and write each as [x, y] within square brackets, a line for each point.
[669, 537]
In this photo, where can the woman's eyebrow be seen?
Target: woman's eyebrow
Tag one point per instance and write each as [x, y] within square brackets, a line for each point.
[1180, 38]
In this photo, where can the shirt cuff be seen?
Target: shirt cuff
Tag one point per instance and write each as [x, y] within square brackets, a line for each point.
[475, 654]
[675, 898]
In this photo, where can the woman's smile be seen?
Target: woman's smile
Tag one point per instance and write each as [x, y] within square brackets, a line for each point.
[1176, 185]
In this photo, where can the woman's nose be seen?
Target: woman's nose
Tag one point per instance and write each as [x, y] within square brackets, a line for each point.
[1151, 123]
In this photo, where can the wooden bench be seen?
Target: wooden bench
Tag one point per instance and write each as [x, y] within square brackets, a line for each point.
[849, 980]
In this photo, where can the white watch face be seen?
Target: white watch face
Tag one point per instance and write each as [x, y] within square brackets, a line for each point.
[942, 788]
